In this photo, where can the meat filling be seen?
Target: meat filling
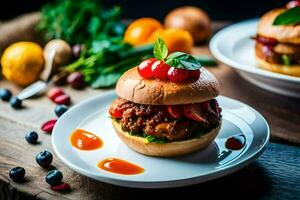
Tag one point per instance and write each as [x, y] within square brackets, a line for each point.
[169, 123]
[265, 50]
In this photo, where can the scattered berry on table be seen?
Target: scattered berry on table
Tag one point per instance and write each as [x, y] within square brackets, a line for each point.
[49, 125]
[61, 187]
[44, 158]
[60, 110]
[76, 80]
[63, 99]
[5, 94]
[54, 177]
[55, 92]
[15, 102]
[32, 137]
[17, 174]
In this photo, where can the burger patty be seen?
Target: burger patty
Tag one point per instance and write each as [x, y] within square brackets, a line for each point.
[266, 52]
[156, 120]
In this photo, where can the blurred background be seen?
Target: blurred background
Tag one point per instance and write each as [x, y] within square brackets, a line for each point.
[232, 10]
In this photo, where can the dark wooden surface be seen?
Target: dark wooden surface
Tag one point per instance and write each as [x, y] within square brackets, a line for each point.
[275, 175]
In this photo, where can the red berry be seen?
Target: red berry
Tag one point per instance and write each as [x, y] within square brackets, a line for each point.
[160, 70]
[144, 68]
[194, 74]
[292, 4]
[175, 111]
[55, 92]
[61, 187]
[177, 75]
[49, 125]
[76, 80]
[63, 99]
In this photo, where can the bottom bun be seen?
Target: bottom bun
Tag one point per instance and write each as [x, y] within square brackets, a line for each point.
[293, 70]
[169, 149]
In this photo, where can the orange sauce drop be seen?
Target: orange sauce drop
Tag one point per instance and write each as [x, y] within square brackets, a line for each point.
[119, 166]
[85, 140]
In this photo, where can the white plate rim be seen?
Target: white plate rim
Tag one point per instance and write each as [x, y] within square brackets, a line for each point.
[161, 184]
[219, 37]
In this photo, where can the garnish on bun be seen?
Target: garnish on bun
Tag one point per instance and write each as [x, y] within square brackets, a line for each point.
[278, 40]
[166, 105]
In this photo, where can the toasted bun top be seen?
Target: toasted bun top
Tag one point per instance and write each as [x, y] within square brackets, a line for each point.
[283, 33]
[132, 87]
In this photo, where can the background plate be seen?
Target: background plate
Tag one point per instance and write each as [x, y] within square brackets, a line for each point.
[233, 46]
[210, 163]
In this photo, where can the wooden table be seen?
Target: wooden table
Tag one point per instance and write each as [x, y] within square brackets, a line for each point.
[276, 174]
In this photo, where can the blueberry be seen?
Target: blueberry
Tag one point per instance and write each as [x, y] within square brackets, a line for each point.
[5, 94]
[54, 177]
[17, 174]
[60, 110]
[44, 158]
[32, 137]
[15, 102]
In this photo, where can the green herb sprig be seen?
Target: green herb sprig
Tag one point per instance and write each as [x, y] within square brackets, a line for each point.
[289, 17]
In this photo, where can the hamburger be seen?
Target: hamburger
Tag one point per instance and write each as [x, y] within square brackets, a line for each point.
[166, 106]
[277, 46]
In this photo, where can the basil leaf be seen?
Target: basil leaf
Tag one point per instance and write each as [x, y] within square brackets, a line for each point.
[160, 49]
[183, 61]
[289, 17]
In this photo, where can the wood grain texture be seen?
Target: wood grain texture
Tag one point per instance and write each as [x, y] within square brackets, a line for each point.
[275, 175]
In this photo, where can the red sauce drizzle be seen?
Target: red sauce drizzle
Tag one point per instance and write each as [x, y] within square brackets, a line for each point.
[119, 166]
[85, 140]
[236, 142]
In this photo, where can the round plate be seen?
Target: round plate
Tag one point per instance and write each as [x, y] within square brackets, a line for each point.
[233, 46]
[212, 162]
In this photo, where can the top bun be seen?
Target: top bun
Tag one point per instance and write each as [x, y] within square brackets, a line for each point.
[132, 87]
[282, 33]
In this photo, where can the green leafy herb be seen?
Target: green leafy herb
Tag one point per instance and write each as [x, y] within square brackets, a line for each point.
[79, 21]
[183, 61]
[151, 138]
[286, 60]
[160, 50]
[289, 17]
[103, 80]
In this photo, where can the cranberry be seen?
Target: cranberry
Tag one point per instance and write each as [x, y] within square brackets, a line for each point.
[177, 75]
[61, 187]
[49, 125]
[55, 92]
[76, 80]
[292, 4]
[194, 74]
[63, 99]
[144, 68]
[160, 70]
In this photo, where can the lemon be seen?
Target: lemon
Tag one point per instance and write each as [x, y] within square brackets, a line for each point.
[22, 63]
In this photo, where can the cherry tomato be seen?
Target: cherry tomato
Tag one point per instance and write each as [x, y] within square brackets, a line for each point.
[175, 111]
[160, 70]
[177, 75]
[144, 68]
[292, 4]
[267, 41]
[114, 110]
[194, 74]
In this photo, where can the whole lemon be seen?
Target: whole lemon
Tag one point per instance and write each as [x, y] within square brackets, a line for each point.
[22, 62]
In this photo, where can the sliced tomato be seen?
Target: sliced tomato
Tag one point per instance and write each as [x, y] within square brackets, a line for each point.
[194, 112]
[114, 110]
[175, 111]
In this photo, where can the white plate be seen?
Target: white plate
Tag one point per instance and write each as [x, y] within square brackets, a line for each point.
[233, 46]
[213, 162]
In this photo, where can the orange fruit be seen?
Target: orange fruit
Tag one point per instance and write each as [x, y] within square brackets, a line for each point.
[22, 63]
[139, 31]
[175, 39]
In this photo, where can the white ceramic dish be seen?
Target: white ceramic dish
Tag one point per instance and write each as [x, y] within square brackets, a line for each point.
[213, 162]
[233, 46]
